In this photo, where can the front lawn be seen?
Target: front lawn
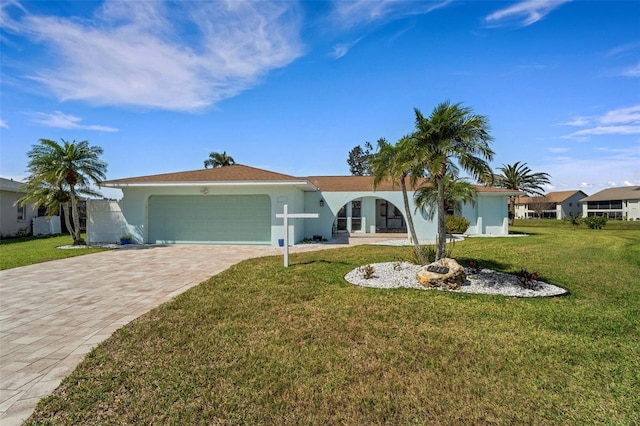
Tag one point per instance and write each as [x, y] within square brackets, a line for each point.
[29, 250]
[260, 344]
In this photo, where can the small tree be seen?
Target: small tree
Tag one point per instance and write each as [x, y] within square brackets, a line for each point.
[452, 131]
[396, 162]
[217, 159]
[359, 160]
[595, 222]
[519, 177]
[59, 172]
[456, 191]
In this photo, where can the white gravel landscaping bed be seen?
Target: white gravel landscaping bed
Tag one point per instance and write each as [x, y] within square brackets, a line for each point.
[486, 281]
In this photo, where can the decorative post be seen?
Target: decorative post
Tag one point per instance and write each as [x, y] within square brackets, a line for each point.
[285, 215]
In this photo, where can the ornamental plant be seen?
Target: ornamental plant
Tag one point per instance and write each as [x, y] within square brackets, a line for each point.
[367, 271]
[527, 279]
[595, 222]
[456, 224]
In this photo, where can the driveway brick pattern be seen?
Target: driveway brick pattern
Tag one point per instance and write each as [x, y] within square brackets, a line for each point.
[52, 314]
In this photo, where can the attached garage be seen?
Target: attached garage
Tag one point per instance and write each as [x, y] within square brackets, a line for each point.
[228, 219]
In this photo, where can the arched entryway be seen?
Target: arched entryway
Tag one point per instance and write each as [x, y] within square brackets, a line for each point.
[389, 217]
[369, 215]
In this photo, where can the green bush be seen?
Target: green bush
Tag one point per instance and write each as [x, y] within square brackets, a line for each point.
[456, 224]
[595, 222]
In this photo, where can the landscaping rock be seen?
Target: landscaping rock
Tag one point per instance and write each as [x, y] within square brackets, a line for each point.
[428, 276]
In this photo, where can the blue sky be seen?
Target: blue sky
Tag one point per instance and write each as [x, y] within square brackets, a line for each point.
[293, 86]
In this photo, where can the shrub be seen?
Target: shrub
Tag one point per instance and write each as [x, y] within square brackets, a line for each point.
[456, 224]
[367, 271]
[430, 253]
[473, 266]
[527, 279]
[595, 222]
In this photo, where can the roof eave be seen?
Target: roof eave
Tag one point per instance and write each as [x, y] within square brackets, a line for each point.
[305, 185]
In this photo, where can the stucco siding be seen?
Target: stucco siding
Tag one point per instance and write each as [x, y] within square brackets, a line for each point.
[488, 216]
[10, 224]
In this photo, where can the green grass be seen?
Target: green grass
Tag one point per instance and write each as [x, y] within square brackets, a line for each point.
[29, 250]
[260, 344]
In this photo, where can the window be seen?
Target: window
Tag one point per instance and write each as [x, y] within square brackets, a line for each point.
[22, 212]
[605, 205]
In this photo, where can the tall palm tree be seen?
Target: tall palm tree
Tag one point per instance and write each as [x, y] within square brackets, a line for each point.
[452, 132]
[217, 159]
[456, 192]
[68, 168]
[519, 177]
[54, 198]
[395, 162]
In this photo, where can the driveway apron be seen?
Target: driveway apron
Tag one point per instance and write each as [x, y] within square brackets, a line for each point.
[52, 314]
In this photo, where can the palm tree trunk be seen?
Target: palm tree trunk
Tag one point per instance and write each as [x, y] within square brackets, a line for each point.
[512, 210]
[412, 229]
[77, 240]
[67, 218]
[442, 227]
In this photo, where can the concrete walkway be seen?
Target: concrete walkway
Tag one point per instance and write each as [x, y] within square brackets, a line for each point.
[52, 314]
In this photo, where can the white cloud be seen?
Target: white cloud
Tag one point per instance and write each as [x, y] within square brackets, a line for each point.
[621, 121]
[578, 121]
[623, 49]
[606, 130]
[622, 115]
[66, 121]
[4, 124]
[525, 12]
[339, 50]
[558, 150]
[607, 167]
[184, 56]
[352, 13]
[633, 71]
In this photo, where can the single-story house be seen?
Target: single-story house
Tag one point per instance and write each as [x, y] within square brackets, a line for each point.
[14, 219]
[614, 203]
[553, 205]
[238, 205]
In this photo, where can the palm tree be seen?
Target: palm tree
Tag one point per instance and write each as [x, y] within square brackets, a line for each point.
[452, 132]
[456, 192]
[395, 162]
[53, 198]
[60, 172]
[519, 177]
[217, 159]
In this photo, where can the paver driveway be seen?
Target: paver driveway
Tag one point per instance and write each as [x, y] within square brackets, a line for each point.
[53, 313]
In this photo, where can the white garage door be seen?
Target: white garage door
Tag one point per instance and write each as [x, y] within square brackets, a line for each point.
[244, 219]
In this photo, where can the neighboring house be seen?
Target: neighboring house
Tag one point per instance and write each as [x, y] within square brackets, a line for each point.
[614, 203]
[554, 205]
[237, 205]
[14, 219]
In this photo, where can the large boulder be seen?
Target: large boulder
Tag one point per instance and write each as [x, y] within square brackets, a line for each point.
[444, 273]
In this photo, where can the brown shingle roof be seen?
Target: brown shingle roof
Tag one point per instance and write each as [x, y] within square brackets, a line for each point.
[352, 184]
[623, 193]
[551, 197]
[233, 173]
[365, 183]
[241, 173]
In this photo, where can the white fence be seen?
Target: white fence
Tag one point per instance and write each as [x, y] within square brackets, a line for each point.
[46, 225]
[105, 221]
